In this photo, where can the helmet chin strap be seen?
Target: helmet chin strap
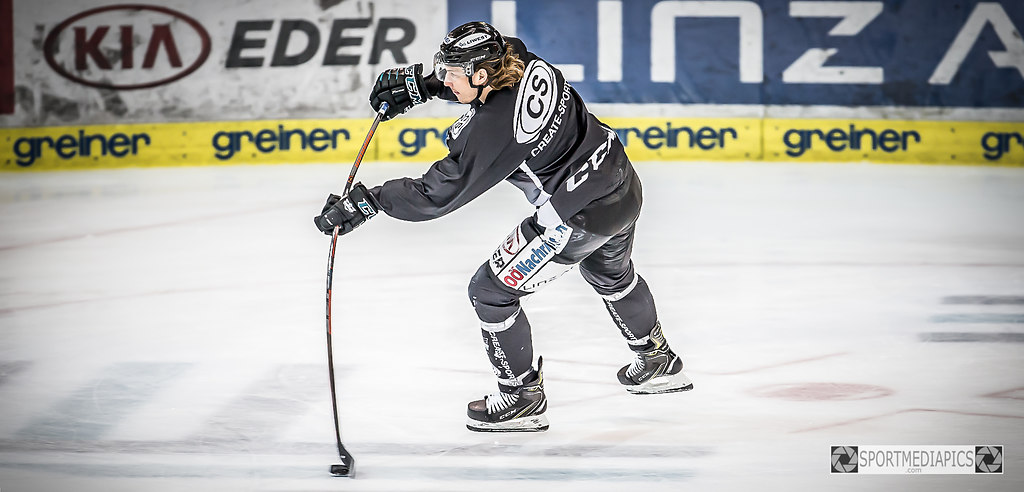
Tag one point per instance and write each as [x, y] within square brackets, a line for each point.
[479, 89]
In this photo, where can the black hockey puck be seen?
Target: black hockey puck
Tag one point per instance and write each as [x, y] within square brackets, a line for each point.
[340, 470]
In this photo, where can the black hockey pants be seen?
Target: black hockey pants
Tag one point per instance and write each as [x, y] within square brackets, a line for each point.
[532, 256]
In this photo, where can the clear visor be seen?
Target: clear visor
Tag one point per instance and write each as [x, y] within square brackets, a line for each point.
[442, 70]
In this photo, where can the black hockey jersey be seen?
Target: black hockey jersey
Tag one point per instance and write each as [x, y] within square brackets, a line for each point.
[538, 135]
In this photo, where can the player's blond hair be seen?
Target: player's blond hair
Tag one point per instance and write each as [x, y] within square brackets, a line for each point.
[505, 72]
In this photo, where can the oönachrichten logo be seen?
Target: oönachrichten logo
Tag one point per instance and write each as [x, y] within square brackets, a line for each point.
[844, 459]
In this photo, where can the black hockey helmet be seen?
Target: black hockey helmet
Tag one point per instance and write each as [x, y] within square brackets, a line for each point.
[467, 46]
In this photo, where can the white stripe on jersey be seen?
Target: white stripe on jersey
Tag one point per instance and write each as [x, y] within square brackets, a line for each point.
[543, 196]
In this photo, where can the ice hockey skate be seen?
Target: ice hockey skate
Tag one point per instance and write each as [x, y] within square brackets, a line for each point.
[655, 370]
[519, 411]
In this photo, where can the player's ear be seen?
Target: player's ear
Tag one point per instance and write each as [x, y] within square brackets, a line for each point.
[479, 77]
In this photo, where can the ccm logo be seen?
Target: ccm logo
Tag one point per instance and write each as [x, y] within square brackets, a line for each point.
[535, 102]
[99, 45]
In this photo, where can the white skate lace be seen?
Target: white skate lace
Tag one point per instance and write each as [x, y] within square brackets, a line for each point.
[637, 366]
[497, 402]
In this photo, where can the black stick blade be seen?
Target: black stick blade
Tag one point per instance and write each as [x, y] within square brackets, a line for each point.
[342, 470]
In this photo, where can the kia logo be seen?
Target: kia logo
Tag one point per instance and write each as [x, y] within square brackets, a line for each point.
[137, 46]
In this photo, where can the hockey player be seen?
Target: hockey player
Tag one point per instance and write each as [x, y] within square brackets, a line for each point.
[527, 126]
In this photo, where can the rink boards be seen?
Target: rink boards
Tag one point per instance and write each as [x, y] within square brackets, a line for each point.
[98, 84]
[412, 139]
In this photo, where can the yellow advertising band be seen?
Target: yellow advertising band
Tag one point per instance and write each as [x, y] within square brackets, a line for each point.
[418, 140]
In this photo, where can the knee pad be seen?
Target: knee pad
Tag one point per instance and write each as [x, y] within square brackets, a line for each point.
[493, 302]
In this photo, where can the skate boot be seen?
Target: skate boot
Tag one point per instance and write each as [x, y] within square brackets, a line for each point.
[656, 369]
[519, 411]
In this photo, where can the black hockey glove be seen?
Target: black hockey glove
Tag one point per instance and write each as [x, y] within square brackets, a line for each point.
[402, 88]
[347, 212]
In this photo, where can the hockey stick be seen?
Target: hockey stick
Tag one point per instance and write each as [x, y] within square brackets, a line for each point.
[347, 467]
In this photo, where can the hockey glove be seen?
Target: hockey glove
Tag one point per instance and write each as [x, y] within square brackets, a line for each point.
[402, 88]
[347, 212]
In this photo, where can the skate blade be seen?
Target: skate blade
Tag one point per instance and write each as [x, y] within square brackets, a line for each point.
[533, 423]
[662, 384]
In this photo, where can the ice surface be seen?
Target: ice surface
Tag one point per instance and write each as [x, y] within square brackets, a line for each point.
[163, 329]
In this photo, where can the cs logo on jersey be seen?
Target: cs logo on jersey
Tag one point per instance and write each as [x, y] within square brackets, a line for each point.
[456, 129]
[535, 102]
